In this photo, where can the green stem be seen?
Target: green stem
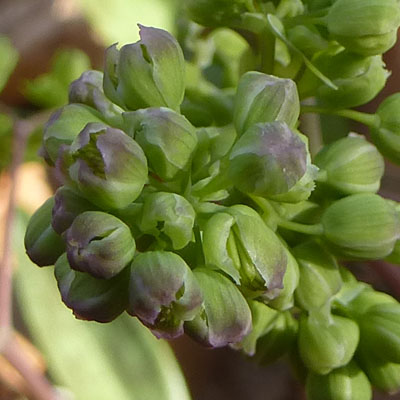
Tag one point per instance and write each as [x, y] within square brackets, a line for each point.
[267, 50]
[316, 229]
[322, 176]
[371, 120]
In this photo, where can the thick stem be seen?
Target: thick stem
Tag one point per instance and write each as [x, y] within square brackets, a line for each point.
[267, 50]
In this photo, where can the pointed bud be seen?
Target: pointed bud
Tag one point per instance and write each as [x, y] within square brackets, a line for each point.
[108, 167]
[279, 340]
[346, 383]
[265, 98]
[387, 135]
[239, 243]
[163, 292]
[380, 331]
[148, 73]
[364, 27]
[167, 138]
[88, 90]
[351, 165]
[67, 206]
[99, 244]
[325, 346]
[64, 126]
[89, 298]
[268, 159]
[320, 278]
[361, 226]
[43, 245]
[220, 322]
[168, 214]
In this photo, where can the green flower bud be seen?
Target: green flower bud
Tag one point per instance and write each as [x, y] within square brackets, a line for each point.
[320, 278]
[279, 340]
[163, 292]
[42, 244]
[326, 346]
[265, 98]
[108, 167]
[380, 331]
[351, 165]
[148, 73]
[89, 298]
[263, 319]
[361, 226]
[358, 79]
[225, 316]
[387, 135]
[167, 138]
[364, 27]
[63, 127]
[238, 242]
[302, 190]
[269, 159]
[173, 213]
[346, 383]
[67, 206]
[216, 12]
[100, 244]
[383, 375]
[88, 89]
[285, 300]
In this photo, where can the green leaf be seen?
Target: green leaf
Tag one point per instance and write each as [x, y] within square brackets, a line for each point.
[120, 360]
[8, 60]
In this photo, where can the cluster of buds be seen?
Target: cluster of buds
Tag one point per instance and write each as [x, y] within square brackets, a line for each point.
[202, 211]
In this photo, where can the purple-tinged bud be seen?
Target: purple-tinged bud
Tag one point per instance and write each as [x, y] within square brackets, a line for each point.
[99, 244]
[163, 292]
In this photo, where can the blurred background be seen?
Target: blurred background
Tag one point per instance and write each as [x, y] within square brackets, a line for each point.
[49, 44]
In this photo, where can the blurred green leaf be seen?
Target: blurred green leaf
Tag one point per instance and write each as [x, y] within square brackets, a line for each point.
[121, 360]
[115, 21]
[51, 89]
[8, 60]
[5, 139]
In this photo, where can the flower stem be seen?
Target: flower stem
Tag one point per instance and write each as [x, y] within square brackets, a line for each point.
[316, 229]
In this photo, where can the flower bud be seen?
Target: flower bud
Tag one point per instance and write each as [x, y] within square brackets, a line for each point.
[238, 242]
[380, 331]
[263, 319]
[351, 165]
[346, 383]
[220, 322]
[100, 244]
[265, 98]
[42, 244]
[268, 159]
[216, 12]
[67, 206]
[326, 346]
[163, 292]
[387, 135]
[175, 215]
[319, 279]
[108, 167]
[63, 127]
[89, 298]
[358, 79]
[361, 226]
[364, 27]
[168, 139]
[285, 300]
[383, 375]
[148, 73]
[88, 89]
[279, 340]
